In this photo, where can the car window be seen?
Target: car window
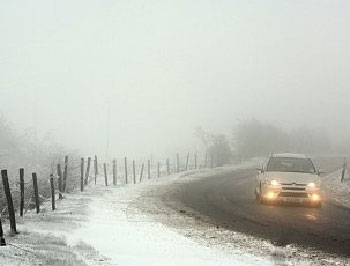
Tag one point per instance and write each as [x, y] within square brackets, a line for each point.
[286, 164]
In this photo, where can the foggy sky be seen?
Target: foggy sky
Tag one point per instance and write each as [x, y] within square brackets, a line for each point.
[160, 68]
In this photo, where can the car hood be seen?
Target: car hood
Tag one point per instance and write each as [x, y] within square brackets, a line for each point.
[292, 177]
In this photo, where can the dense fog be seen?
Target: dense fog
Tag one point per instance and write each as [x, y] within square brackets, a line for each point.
[148, 78]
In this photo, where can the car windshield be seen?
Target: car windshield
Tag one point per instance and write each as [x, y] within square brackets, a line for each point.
[287, 164]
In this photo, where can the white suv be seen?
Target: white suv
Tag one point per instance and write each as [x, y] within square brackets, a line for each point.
[288, 178]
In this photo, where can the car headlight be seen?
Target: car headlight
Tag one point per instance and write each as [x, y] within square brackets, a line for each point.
[312, 185]
[315, 197]
[273, 182]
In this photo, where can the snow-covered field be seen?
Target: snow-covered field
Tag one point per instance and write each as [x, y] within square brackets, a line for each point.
[129, 225]
[335, 191]
[119, 229]
[130, 238]
[141, 229]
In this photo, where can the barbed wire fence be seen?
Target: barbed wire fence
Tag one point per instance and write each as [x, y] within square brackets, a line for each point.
[26, 192]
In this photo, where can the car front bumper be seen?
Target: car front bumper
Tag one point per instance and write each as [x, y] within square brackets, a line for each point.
[300, 194]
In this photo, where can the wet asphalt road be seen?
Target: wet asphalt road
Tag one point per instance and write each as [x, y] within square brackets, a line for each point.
[228, 200]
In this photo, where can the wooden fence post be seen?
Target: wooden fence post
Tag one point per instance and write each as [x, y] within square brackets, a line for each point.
[158, 173]
[82, 174]
[2, 239]
[187, 161]
[195, 161]
[134, 171]
[105, 171]
[11, 210]
[149, 169]
[59, 173]
[36, 192]
[167, 167]
[178, 162]
[96, 168]
[114, 172]
[86, 182]
[21, 180]
[65, 174]
[126, 170]
[52, 192]
[206, 160]
[343, 171]
[141, 172]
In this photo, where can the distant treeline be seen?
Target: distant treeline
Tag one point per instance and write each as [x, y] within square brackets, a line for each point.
[252, 138]
[255, 138]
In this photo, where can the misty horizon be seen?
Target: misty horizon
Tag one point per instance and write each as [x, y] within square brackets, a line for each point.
[120, 78]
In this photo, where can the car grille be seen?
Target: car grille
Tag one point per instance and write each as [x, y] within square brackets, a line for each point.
[292, 194]
[293, 184]
[294, 188]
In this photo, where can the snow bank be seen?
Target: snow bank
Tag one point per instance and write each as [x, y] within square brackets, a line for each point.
[129, 237]
[130, 226]
[117, 229]
[113, 223]
[336, 192]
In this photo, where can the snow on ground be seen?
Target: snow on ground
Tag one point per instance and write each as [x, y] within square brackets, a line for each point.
[140, 229]
[335, 191]
[118, 230]
[132, 239]
[129, 225]
[42, 237]
[101, 227]
[200, 228]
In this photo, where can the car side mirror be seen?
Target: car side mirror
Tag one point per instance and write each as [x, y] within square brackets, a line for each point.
[320, 171]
